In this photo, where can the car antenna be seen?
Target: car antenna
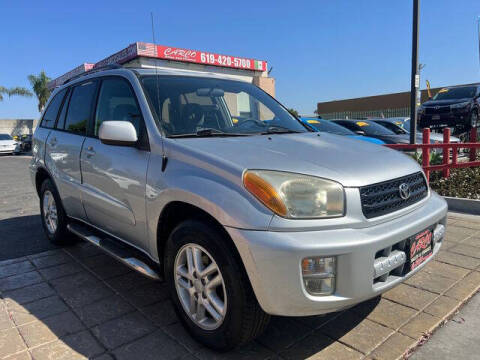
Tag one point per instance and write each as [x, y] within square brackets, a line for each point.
[164, 157]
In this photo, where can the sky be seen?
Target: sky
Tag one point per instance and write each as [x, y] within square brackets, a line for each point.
[318, 50]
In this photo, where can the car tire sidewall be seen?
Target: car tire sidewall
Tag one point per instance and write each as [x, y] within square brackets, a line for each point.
[58, 237]
[209, 238]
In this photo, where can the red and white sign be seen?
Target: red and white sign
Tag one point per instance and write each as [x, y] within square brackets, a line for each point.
[139, 49]
[208, 58]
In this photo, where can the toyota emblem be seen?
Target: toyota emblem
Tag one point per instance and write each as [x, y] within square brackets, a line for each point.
[404, 190]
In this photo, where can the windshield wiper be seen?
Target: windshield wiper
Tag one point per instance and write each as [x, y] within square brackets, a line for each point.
[276, 129]
[206, 133]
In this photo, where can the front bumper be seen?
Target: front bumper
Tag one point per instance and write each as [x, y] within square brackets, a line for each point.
[273, 260]
[448, 119]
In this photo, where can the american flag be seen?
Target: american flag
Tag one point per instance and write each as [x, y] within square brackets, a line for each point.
[146, 49]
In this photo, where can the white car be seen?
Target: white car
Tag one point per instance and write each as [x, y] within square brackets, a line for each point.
[7, 144]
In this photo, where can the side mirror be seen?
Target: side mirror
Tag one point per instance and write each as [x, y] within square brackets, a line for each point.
[121, 133]
[360, 132]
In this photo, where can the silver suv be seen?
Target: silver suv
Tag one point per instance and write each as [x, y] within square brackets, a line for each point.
[209, 183]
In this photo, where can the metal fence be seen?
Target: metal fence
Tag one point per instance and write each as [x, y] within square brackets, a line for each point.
[385, 113]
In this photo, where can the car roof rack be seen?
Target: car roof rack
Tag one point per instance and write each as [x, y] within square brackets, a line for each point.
[94, 70]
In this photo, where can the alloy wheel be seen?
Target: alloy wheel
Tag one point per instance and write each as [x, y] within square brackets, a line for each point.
[50, 212]
[200, 286]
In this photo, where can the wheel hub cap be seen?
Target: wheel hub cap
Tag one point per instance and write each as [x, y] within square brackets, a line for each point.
[200, 286]
[50, 212]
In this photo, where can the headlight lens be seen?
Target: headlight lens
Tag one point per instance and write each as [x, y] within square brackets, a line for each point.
[460, 105]
[296, 196]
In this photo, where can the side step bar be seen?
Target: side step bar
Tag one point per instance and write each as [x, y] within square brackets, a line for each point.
[126, 255]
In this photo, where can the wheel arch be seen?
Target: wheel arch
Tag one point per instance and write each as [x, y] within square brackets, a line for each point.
[176, 212]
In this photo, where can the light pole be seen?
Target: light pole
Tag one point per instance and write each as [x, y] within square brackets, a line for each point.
[415, 79]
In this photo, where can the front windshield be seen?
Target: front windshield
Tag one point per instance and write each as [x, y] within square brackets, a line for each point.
[373, 129]
[329, 127]
[455, 93]
[5, 137]
[189, 105]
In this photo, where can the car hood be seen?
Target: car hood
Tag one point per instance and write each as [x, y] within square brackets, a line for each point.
[399, 139]
[8, 142]
[350, 162]
[431, 103]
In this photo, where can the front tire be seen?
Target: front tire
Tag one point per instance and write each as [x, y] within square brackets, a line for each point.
[210, 288]
[54, 219]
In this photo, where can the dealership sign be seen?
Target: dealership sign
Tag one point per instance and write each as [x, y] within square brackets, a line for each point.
[141, 49]
[208, 58]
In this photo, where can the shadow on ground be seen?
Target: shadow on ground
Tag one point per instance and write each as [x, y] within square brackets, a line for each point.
[21, 236]
[77, 302]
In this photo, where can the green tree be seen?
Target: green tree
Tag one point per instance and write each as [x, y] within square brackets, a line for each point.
[293, 112]
[39, 85]
[14, 91]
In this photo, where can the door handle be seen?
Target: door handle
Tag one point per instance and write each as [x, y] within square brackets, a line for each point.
[90, 152]
[53, 142]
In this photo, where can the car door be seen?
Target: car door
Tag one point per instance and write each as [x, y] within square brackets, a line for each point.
[114, 176]
[64, 144]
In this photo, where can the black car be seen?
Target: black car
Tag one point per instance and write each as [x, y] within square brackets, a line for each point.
[372, 129]
[456, 107]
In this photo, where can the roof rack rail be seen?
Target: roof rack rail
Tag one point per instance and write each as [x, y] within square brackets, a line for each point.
[94, 70]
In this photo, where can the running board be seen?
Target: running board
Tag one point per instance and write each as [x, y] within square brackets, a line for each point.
[123, 253]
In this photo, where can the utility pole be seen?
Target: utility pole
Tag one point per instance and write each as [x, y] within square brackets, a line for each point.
[415, 79]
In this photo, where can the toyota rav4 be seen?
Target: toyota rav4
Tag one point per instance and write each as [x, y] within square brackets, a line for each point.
[208, 183]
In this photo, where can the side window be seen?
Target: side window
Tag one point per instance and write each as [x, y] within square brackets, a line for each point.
[50, 115]
[117, 102]
[79, 108]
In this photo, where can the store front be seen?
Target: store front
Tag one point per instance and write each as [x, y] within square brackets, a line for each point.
[148, 55]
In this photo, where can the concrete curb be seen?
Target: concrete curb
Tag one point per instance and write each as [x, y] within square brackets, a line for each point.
[462, 205]
[439, 324]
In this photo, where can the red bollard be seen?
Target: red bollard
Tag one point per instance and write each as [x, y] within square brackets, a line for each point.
[473, 139]
[446, 152]
[426, 153]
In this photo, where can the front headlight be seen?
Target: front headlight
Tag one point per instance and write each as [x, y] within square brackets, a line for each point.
[296, 196]
[460, 105]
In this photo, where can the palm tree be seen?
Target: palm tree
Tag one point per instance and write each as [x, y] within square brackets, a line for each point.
[20, 91]
[39, 85]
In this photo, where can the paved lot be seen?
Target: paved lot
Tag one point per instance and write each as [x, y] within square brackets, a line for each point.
[76, 302]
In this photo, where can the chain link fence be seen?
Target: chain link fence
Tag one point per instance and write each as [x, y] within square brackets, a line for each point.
[386, 113]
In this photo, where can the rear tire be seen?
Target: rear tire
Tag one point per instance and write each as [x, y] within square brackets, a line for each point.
[242, 319]
[54, 219]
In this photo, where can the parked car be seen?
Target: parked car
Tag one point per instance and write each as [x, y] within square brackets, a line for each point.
[26, 143]
[401, 126]
[456, 107]
[7, 144]
[244, 219]
[372, 129]
[329, 127]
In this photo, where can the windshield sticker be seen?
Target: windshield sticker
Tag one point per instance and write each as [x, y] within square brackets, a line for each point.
[444, 90]
[362, 123]
[313, 121]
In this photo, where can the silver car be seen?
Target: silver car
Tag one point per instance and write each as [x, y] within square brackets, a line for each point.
[210, 184]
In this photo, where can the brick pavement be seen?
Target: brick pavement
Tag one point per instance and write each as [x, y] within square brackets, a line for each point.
[76, 302]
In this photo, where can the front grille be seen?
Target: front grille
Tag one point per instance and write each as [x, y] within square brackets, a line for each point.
[440, 110]
[384, 198]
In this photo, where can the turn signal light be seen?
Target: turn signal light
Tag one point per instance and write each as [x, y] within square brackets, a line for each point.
[264, 192]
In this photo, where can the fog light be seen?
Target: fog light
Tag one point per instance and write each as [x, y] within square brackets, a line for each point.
[319, 275]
